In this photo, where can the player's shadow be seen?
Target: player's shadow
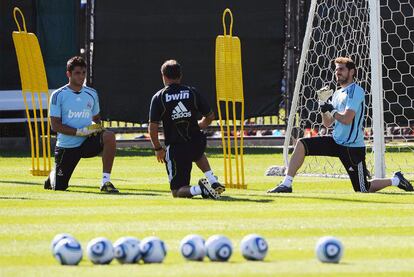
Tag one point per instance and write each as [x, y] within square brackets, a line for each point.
[21, 183]
[239, 199]
[140, 190]
[334, 199]
[15, 198]
[114, 194]
[396, 193]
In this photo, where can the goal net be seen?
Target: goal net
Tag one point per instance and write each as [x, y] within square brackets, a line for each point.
[379, 37]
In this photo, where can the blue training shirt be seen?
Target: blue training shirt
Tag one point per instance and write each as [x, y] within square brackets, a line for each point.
[351, 97]
[76, 110]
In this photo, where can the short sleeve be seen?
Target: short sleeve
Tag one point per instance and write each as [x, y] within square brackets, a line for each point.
[55, 109]
[96, 108]
[355, 97]
[156, 109]
[202, 104]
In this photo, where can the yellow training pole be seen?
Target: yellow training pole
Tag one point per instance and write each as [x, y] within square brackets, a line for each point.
[242, 145]
[223, 142]
[229, 89]
[24, 74]
[34, 82]
[40, 86]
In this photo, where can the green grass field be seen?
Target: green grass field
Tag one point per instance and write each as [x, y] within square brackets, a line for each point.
[376, 229]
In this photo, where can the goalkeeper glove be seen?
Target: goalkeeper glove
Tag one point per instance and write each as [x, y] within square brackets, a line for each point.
[89, 130]
[328, 108]
[324, 93]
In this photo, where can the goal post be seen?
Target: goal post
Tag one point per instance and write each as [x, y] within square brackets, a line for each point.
[379, 37]
[376, 89]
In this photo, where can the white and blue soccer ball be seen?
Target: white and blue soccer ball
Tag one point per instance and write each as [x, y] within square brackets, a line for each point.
[329, 250]
[219, 248]
[192, 248]
[58, 238]
[254, 247]
[100, 251]
[68, 251]
[153, 250]
[126, 250]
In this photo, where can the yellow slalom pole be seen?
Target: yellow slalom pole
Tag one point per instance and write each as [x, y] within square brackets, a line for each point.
[236, 154]
[34, 81]
[49, 168]
[29, 122]
[229, 145]
[223, 141]
[244, 186]
[42, 128]
[22, 61]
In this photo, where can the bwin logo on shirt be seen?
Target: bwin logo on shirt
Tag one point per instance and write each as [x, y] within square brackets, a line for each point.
[83, 114]
[184, 94]
[180, 111]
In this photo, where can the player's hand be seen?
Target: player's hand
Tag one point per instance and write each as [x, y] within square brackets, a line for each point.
[202, 124]
[324, 93]
[160, 155]
[89, 130]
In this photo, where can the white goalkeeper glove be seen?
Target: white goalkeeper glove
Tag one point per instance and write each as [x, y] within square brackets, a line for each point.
[89, 130]
[324, 93]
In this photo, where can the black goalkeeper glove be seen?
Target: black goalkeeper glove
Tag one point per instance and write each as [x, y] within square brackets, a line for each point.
[328, 108]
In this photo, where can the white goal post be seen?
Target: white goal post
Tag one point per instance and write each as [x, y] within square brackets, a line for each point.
[379, 36]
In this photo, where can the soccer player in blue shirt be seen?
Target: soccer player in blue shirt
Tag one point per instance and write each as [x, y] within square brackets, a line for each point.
[346, 112]
[74, 115]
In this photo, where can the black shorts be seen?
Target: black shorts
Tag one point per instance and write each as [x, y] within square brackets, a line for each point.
[352, 158]
[66, 160]
[179, 160]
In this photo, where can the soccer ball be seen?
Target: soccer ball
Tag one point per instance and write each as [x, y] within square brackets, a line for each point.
[58, 238]
[68, 252]
[126, 250]
[192, 248]
[219, 248]
[100, 251]
[253, 247]
[329, 250]
[153, 250]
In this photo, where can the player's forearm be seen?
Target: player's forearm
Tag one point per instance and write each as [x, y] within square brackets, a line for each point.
[327, 120]
[61, 128]
[343, 117]
[153, 132]
[206, 121]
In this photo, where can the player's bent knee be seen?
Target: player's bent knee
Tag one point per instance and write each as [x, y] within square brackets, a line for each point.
[300, 146]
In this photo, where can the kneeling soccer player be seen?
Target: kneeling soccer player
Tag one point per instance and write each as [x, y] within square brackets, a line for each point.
[178, 107]
[346, 112]
[73, 109]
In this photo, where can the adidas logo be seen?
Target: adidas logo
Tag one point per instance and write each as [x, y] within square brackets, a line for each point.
[180, 111]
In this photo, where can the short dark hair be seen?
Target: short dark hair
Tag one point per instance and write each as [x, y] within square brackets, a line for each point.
[348, 62]
[171, 69]
[75, 61]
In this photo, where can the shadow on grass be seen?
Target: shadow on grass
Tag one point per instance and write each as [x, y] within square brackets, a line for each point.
[334, 199]
[21, 183]
[15, 198]
[124, 189]
[237, 199]
[115, 194]
[408, 193]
